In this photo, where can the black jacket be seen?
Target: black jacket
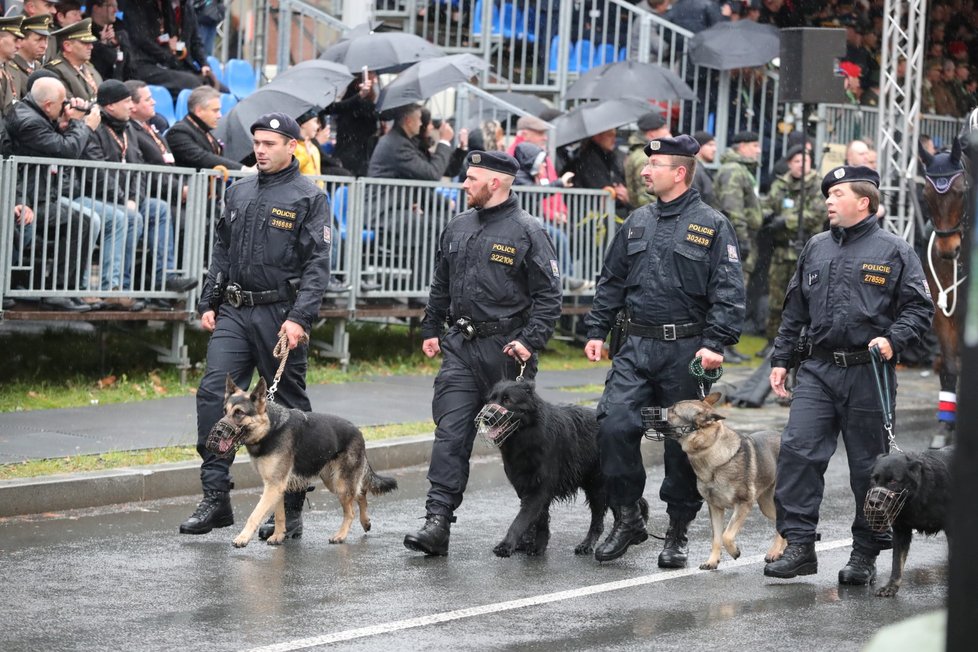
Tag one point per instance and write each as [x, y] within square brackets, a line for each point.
[673, 263]
[399, 157]
[853, 285]
[142, 24]
[112, 186]
[273, 229]
[192, 148]
[149, 148]
[496, 263]
[105, 57]
[356, 131]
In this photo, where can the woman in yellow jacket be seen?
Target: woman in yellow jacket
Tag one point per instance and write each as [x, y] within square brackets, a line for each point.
[307, 151]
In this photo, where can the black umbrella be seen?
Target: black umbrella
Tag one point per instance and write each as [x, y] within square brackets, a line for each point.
[590, 119]
[382, 51]
[235, 128]
[428, 77]
[315, 80]
[740, 44]
[529, 103]
[646, 81]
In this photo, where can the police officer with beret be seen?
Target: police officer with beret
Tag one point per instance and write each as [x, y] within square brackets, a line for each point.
[497, 285]
[856, 287]
[675, 267]
[267, 276]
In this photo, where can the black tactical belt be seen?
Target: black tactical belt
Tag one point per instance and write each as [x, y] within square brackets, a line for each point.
[668, 332]
[473, 329]
[842, 358]
[237, 297]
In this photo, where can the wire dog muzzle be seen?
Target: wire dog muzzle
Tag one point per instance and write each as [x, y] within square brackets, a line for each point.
[224, 439]
[495, 424]
[658, 428]
[882, 506]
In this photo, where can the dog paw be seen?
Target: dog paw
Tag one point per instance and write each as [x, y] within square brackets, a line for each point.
[887, 591]
[535, 551]
[276, 539]
[337, 539]
[240, 542]
[366, 526]
[770, 559]
[709, 565]
[584, 549]
[503, 550]
[735, 553]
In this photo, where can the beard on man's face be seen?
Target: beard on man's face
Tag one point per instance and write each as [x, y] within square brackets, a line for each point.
[478, 198]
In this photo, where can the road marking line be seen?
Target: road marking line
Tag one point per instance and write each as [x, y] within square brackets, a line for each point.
[458, 614]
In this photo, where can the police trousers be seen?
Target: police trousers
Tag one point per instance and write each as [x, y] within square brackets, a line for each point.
[468, 372]
[646, 373]
[243, 341]
[829, 399]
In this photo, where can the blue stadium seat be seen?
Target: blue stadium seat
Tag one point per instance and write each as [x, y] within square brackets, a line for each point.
[554, 52]
[524, 26]
[217, 67]
[623, 54]
[339, 206]
[581, 56]
[507, 20]
[240, 77]
[164, 102]
[181, 106]
[227, 103]
[477, 19]
[604, 54]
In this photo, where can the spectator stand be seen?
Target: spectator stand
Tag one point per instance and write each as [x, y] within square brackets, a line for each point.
[304, 32]
[842, 123]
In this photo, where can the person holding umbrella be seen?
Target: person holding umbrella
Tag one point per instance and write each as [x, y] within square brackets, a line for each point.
[357, 123]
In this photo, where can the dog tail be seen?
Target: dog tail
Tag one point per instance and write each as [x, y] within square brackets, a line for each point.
[379, 484]
[643, 506]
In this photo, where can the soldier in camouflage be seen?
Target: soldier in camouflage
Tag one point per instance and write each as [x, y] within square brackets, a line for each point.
[734, 186]
[781, 209]
[651, 126]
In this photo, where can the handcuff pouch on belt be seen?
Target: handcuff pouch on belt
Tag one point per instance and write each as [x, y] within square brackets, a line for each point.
[619, 333]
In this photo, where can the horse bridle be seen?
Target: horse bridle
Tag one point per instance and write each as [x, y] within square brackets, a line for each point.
[942, 184]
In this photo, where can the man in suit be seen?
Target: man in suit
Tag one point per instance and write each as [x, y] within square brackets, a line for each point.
[152, 145]
[75, 68]
[191, 141]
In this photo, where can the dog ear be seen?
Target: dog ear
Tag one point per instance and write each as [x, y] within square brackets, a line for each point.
[915, 471]
[713, 398]
[229, 387]
[258, 395]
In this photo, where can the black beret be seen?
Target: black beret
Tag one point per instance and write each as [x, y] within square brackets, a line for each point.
[849, 174]
[279, 123]
[111, 91]
[793, 152]
[703, 137]
[681, 145]
[745, 137]
[651, 121]
[495, 161]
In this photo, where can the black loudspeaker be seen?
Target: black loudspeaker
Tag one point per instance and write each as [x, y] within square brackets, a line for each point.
[809, 59]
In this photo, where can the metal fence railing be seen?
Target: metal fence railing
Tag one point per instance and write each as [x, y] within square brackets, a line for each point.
[842, 123]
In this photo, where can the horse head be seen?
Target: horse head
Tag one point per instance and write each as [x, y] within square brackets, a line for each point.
[944, 193]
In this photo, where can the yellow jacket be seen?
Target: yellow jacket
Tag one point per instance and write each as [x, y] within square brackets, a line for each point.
[309, 162]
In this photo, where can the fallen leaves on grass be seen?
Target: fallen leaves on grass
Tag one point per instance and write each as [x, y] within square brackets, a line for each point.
[106, 382]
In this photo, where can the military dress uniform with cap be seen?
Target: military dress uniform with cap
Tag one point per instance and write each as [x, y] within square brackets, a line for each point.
[852, 285]
[9, 92]
[675, 267]
[83, 81]
[496, 279]
[270, 264]
[20, 68]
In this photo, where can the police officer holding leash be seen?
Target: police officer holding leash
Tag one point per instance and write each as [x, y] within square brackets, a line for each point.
[675, 267]
[856, 287]
[267, 276]
[497, 284]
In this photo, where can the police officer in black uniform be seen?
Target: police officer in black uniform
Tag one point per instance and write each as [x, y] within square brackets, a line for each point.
[856, 287]
[267, 276]
[497, 284]
[675, 267]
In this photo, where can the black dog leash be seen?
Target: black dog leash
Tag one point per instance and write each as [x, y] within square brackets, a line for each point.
[883, 390]
[702, 375]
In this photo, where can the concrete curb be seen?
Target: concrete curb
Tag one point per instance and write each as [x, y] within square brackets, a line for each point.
[57, 493]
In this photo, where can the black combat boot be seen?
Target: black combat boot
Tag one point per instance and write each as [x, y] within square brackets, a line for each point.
[294, 500]
[798, 559]
[860, 570]
[213, 511]
[432, 538]
[629, 529]
[676, 547]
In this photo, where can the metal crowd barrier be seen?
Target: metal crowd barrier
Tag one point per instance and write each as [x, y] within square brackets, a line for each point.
[842, 123]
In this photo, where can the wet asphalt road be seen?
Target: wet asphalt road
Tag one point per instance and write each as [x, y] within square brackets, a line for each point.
[122, 579]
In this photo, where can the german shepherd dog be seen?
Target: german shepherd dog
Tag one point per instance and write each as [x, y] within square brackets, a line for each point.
[732, 471]
[289, 448]
[549, 452]
[910, 491]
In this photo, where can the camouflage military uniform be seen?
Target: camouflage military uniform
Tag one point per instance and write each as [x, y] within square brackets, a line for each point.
[733, 188]
[81, 83]
[638, 194]
[784, 204]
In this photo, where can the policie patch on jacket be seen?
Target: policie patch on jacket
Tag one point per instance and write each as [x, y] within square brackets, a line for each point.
[282, 219]
[285, 225]
[700, 235]
[502, 253]
[875, 274]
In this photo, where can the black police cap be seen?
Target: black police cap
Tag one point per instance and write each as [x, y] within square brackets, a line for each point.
[681, 145]
[849, 174]
[745, 137]
[280, 123]
[496, 161]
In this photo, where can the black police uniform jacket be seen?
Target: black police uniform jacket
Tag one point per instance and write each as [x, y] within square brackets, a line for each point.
[853, 285]
[496, 263]
[673, 263]
[273, 229]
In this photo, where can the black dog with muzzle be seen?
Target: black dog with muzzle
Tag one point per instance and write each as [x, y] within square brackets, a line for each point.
[908, 491]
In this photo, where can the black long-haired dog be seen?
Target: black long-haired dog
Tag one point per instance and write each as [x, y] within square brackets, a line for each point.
[910, 491]
[549, 454]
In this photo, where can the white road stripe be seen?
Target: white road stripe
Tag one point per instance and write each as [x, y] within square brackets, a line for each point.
[458, 614]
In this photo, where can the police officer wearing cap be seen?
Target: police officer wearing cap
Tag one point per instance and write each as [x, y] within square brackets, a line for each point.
[496, 285]
[74, 67]
[266, 278]
[856, 287]
[675, 268]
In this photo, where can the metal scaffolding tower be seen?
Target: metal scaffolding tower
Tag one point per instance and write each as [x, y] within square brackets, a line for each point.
[902, 45]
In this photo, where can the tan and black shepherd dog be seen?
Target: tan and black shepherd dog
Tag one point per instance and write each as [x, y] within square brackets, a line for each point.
[732, 471]
[289, 448]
